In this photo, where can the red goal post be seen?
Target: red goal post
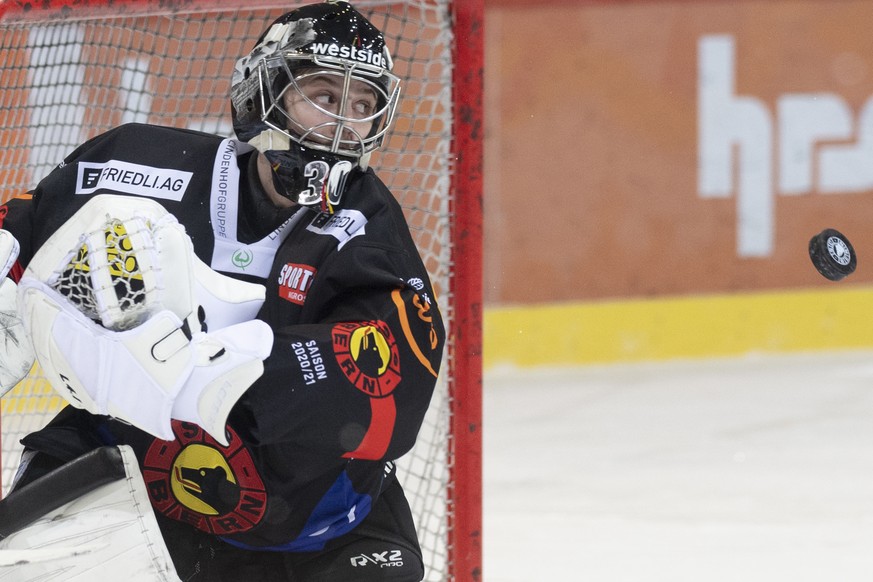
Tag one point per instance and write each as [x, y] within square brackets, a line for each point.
[70, 69]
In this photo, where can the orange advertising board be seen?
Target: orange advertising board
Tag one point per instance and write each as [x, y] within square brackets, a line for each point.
[674, 148]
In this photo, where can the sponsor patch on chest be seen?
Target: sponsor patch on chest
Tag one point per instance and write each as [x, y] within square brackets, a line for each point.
[294, 282]
[343, 225]
[136, 179]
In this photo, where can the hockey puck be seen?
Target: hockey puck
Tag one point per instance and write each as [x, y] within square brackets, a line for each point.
[832, 254]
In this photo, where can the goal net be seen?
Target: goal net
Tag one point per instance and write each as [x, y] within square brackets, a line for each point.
[71, 69]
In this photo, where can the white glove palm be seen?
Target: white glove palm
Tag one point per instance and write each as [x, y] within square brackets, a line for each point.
[16, 355]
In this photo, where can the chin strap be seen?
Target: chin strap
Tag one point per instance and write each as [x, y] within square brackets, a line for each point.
[270, 139]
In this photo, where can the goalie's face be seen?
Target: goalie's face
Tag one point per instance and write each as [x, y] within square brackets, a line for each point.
[334, 110]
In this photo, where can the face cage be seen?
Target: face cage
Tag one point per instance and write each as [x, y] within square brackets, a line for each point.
[272, 103]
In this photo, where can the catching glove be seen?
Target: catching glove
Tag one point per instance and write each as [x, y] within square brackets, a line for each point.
[118, 326]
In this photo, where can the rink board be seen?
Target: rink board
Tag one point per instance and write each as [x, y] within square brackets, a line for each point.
[679, 327]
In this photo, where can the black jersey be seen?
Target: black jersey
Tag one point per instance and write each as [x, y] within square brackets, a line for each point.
[358, 337]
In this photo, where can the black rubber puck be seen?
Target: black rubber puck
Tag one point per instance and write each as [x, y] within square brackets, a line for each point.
[832, 254]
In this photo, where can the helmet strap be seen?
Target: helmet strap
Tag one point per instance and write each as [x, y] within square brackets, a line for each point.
[364, 161]
[270, 139]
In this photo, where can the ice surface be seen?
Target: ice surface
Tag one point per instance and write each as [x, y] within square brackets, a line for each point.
[744, 470]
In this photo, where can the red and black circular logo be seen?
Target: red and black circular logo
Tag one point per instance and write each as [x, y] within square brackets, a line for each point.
[196, 480]
[367, 354]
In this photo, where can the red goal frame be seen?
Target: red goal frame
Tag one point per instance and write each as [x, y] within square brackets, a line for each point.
[465, 528]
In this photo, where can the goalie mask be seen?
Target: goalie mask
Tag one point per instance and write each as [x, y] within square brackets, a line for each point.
[316, 95]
